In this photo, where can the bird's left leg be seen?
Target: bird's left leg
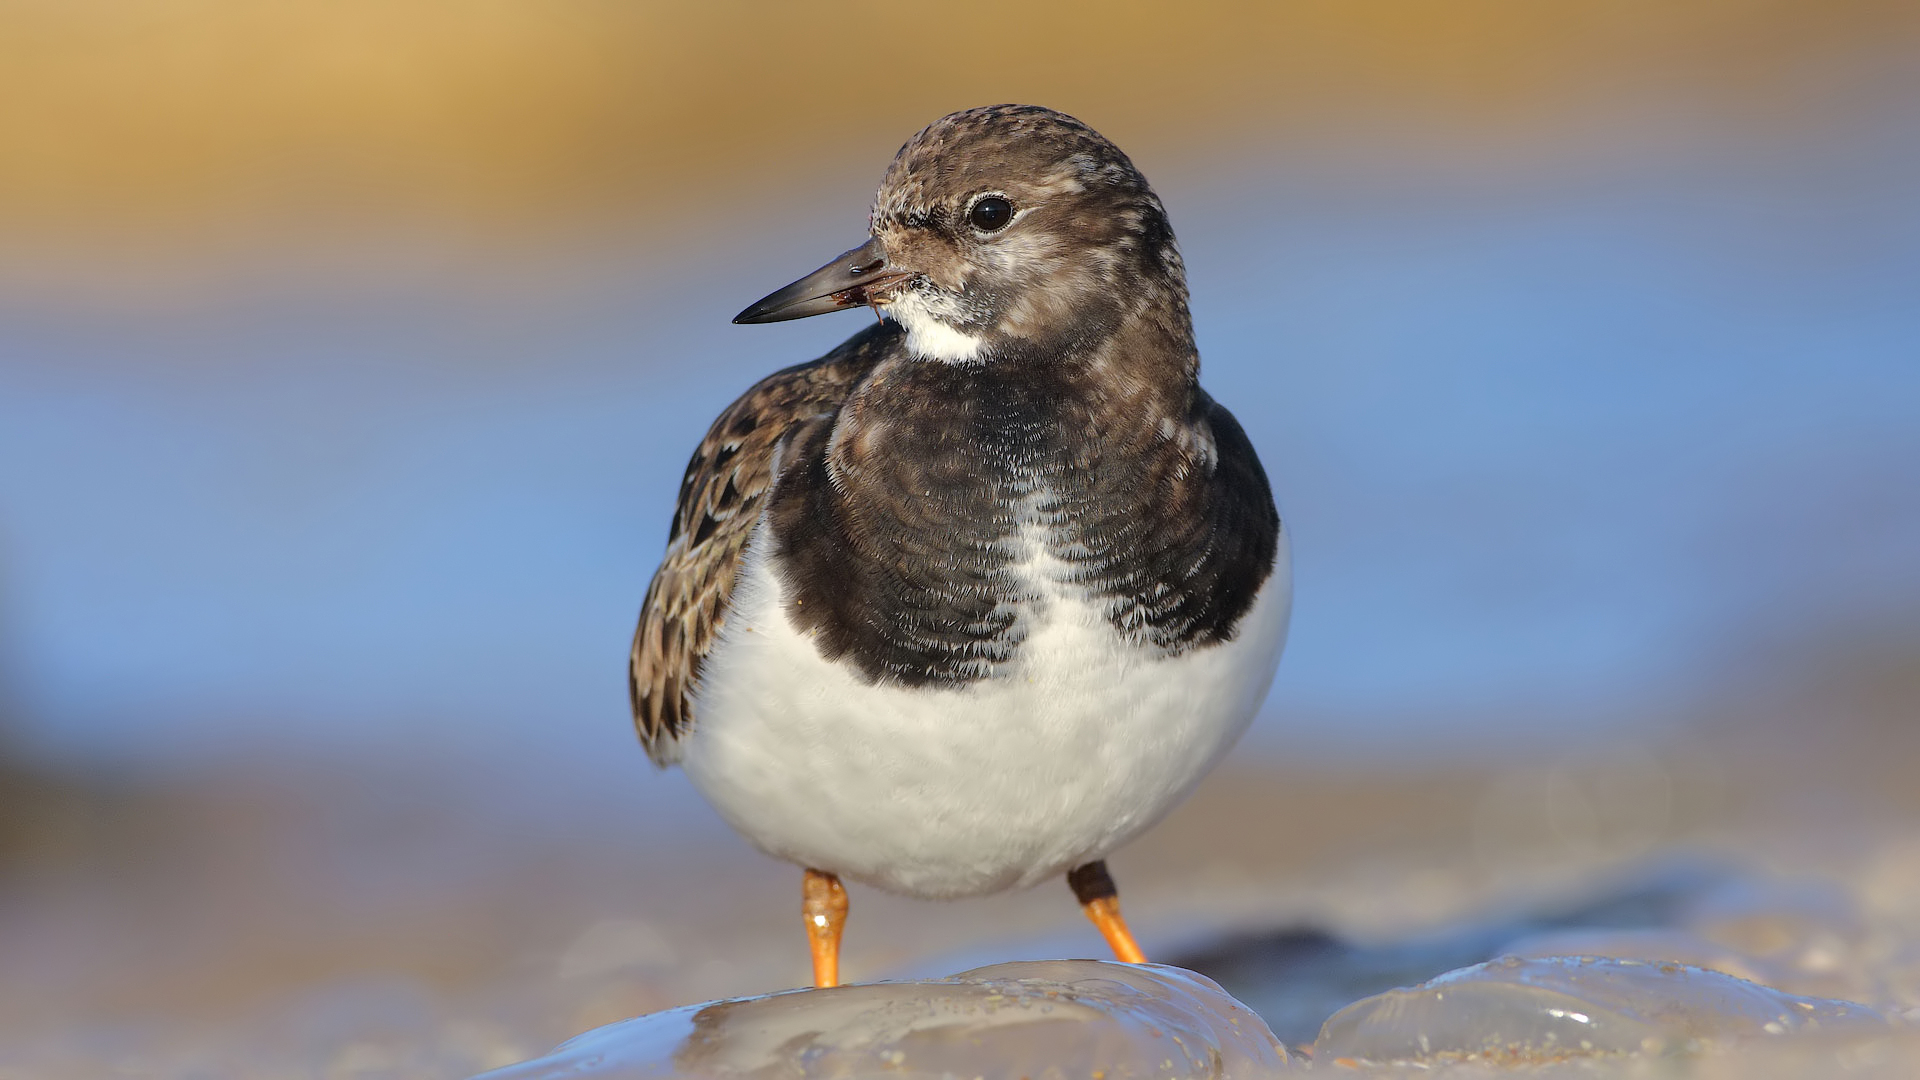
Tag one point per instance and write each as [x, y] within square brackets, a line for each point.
[824, 904]
[1093, 887]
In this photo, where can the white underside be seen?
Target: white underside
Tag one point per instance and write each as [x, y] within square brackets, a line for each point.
[941, 792]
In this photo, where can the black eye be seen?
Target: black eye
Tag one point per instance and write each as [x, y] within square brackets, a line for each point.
[991, 214]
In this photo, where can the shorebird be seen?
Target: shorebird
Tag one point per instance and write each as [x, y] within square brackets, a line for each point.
[977, 597]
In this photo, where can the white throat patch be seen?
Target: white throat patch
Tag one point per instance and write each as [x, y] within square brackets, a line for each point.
[929, 338]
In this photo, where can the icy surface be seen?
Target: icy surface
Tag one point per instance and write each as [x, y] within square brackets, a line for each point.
[1518, 1010]
[1036, 1018]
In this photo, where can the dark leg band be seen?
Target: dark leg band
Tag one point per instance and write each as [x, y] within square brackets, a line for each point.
[1091, 882]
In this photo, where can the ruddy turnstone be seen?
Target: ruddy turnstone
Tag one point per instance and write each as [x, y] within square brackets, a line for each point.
[980, 595]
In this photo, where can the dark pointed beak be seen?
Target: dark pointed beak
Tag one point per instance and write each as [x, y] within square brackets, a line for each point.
[855, 279]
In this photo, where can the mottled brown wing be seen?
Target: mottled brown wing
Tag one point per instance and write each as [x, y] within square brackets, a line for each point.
[721, 500]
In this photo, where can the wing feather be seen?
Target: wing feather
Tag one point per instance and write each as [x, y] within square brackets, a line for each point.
[721, 501]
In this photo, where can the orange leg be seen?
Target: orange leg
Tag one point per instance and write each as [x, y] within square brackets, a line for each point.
[1093, 887]
[825, 907]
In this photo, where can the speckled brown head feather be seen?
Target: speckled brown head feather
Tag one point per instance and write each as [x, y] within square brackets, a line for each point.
[1088, 245]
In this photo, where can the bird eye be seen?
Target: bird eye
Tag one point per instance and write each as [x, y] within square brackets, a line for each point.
[991, 214]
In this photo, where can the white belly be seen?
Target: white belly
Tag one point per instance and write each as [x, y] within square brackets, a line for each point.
[943, 792]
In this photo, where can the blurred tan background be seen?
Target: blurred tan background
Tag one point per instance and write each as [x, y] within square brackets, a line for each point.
[349, 352]
[185, 127]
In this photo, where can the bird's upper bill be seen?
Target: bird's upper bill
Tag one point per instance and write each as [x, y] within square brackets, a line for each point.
[996, 226]
[853, 279]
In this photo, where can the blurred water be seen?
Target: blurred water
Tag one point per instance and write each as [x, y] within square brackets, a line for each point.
[1556, 449]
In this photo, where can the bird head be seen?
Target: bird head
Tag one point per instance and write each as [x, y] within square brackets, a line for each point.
[1000, 230]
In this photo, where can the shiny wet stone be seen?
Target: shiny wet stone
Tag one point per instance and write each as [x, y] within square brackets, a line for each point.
[1693, 959]
[1517, 1010]
[1027, 1019]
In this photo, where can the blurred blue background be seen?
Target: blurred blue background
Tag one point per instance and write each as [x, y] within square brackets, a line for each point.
[1566, 446]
